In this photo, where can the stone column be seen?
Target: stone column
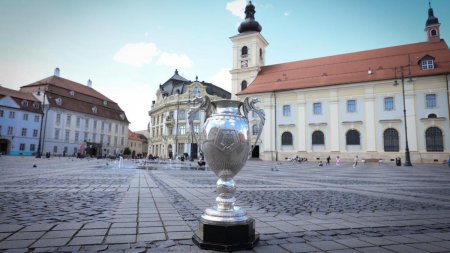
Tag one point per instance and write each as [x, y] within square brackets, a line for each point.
[369, 121]
[334, 126]
[301, 121]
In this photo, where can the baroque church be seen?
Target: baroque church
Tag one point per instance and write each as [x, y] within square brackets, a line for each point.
[376, 104]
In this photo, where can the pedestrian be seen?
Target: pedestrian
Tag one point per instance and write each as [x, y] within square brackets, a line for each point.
[328, 160]
[338, 161]
[320, 163]
[355, 162]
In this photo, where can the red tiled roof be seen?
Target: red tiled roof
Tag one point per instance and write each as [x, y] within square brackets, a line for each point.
[351, 68]
[19, 96]
[69, 85]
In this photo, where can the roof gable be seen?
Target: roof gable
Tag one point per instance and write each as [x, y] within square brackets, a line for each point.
[7, 101]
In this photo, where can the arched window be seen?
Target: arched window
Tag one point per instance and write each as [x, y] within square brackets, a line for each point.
[260, 53]
[286, 139]
[435, 142]
[352, 137]
[244, 50]
[432, 116]
[318, 138]
[244, 85]
[255, 129]
[433, 32]
[391, 142]
[196, 91]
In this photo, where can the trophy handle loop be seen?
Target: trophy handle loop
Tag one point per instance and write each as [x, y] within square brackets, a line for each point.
[249, 106]
[205, 105]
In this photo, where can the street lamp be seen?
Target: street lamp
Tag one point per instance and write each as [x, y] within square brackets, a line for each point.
[407, 155]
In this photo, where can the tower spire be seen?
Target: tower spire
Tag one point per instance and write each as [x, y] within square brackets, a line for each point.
[432, 25]
[249, 24]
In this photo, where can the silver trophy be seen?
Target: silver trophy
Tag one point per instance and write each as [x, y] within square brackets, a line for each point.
[225, 143]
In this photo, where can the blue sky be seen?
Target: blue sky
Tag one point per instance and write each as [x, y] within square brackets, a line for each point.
[129, 47]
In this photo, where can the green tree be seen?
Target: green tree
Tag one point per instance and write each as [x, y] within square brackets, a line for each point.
[127, 151]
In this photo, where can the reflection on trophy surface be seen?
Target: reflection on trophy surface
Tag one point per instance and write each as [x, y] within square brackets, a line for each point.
[225, 142]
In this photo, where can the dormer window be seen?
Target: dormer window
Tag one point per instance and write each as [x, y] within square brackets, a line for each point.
[432, 116]
[58, 101]
[105, 103]
[94, 109]
[196, 91]
[122, 116]
[72, 93]
[24, 103]
[36, 105]
[427, 62]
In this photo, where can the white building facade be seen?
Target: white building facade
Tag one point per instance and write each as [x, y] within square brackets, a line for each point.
[349, 105]
[20, 123]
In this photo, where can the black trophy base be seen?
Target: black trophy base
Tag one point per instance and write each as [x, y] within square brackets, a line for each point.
[226, 237]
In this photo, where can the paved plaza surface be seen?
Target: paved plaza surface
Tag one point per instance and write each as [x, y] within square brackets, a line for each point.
[72, 205]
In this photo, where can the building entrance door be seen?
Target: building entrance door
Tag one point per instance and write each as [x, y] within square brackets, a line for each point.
[4, 146]
[255, 152]
[170, 152]
[194, 151]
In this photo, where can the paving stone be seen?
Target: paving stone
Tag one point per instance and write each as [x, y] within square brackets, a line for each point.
[299, 247]
[4, 228]
[38, 227]
[59, 234]
[25, 236]
[150, 230]
[428, 247]
[403, 248]
[97, 225]
[113, 239]
[328, 245]
[68, 226]
[353, 243]
[374, 250]
[151, 237]
[122, 231]
[15, 244]
[86, 240]
[45, 243]
[91, 232]
[24, 250]
[269, 249]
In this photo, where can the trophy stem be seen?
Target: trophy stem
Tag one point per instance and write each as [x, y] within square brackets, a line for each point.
[226, 187]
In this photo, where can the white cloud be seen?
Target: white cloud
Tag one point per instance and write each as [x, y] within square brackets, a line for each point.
[222, 79]
[237, 8]
[174, 60]
[286, 13]
[136, 54]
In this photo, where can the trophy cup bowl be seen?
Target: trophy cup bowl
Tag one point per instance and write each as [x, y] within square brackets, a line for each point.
[225, 142]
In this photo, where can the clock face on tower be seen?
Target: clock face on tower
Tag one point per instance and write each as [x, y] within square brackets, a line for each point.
[244, 64]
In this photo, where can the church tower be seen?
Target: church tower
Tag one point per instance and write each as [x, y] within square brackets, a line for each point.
[249, 48]
[432, 26]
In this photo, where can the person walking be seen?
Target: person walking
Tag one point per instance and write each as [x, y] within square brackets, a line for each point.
[328, 160]
[338, 161]
[355, 162]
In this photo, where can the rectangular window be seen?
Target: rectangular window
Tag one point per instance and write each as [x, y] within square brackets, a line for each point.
[1, 113]
[0, 130]
[12, 115]
[182, 130]
[68, 120]
[55, 149]
[103, 126]
[24, 132]
[389, 104]
[430, 100]
[86, 123]
[56, 133]
[94, 137]
[10, 130]
[427, 64]
[77, 136]
[196, 116]
[169, 130]
[121, 141]
[78, 122]
[109, 127]
[22, 147]
[25, 116]
[115, 141]
[86, 136]
[117, 128]
[351, 105]
[286, 110]
[35, 132]
[181, 115]
[58, 118]
[36, 118]
[67, 135]
[101, 138]
[109, 140]
[196, 129]
[317, 108]
[123, 129]
[95, 124]
[32, 147]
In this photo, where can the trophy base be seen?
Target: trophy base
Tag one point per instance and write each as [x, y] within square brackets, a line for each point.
[226, 236]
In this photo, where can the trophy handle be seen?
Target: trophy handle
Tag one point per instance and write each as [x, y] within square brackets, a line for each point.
[205, 105]
[249, 106]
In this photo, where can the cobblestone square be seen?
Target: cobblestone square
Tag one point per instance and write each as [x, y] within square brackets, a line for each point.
[73, 205]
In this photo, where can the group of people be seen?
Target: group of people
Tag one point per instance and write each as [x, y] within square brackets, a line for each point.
[297, 159]
[338, 161]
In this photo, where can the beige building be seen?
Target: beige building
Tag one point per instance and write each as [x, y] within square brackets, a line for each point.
[170, 132]
[138, 144]
[349, 105]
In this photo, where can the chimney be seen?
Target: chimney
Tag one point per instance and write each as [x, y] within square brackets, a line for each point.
[56, 73]
[89, 83]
